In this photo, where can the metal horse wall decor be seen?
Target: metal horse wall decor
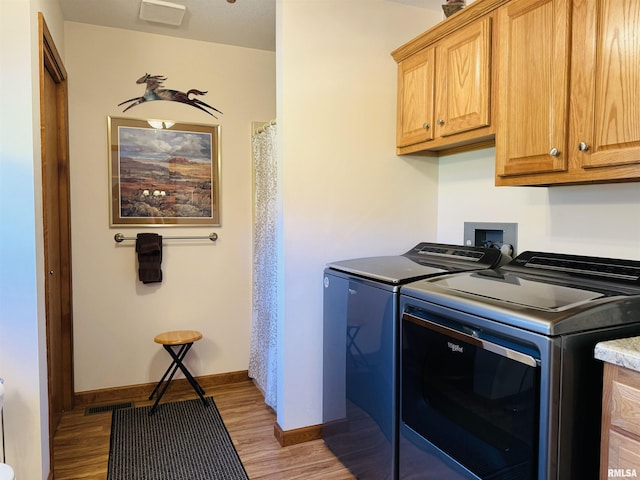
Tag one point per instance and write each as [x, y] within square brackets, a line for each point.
[155, 91]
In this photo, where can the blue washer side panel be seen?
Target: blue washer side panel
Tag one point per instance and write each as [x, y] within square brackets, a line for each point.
[359, 374]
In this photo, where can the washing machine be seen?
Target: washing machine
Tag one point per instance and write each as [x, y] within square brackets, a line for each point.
[360, 348]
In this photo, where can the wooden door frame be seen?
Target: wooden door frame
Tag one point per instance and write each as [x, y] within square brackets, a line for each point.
[51, 63]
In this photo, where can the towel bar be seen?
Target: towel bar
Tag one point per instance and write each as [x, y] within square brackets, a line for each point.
[119, 237]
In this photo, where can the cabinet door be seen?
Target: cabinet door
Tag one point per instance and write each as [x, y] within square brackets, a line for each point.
[623, 453]
[620, 447]
[625, 401]
[533, 108]
[463, 70]
[610, 124]
[415, 98]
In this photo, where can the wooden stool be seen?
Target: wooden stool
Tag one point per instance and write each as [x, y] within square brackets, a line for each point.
[182, 340]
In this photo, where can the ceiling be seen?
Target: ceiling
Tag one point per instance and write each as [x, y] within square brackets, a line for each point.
[245, 23]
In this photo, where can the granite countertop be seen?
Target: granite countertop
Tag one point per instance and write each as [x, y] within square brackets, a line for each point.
[624, 352]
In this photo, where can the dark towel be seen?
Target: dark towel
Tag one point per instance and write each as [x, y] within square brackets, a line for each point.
[149, 249]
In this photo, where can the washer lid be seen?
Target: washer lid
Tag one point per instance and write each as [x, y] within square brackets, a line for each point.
[552, 281]
[521, 291]
[392, 269]
[422, 261]
[554, 302]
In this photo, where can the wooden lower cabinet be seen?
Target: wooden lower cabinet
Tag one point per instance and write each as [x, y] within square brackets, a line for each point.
[620, 448]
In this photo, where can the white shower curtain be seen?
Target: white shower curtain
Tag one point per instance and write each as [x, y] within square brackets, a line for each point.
[263, 350]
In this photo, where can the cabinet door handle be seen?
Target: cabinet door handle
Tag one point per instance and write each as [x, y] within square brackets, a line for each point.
[440, 122]
[554, 152]
[426, 126]
[583, 147]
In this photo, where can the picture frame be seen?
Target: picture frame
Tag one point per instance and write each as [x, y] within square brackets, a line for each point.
[163, 173]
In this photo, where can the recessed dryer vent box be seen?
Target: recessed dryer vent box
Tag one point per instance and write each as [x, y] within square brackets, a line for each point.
[489, 234]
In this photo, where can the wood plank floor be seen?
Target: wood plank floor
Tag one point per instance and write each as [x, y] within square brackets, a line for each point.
[81, 442]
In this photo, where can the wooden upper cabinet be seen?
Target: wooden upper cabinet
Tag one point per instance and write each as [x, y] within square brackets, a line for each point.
[415, 98]
[612, 131]
[445, 84]
[569, 92]
[463, 71]
[533, 87]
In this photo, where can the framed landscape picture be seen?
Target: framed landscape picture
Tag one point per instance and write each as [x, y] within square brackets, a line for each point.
[164, 173]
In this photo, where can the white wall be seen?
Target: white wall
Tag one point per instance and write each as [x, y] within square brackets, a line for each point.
[22, 321]
[205, 286]
[344, 191]
[344, 194]
[599, 220]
